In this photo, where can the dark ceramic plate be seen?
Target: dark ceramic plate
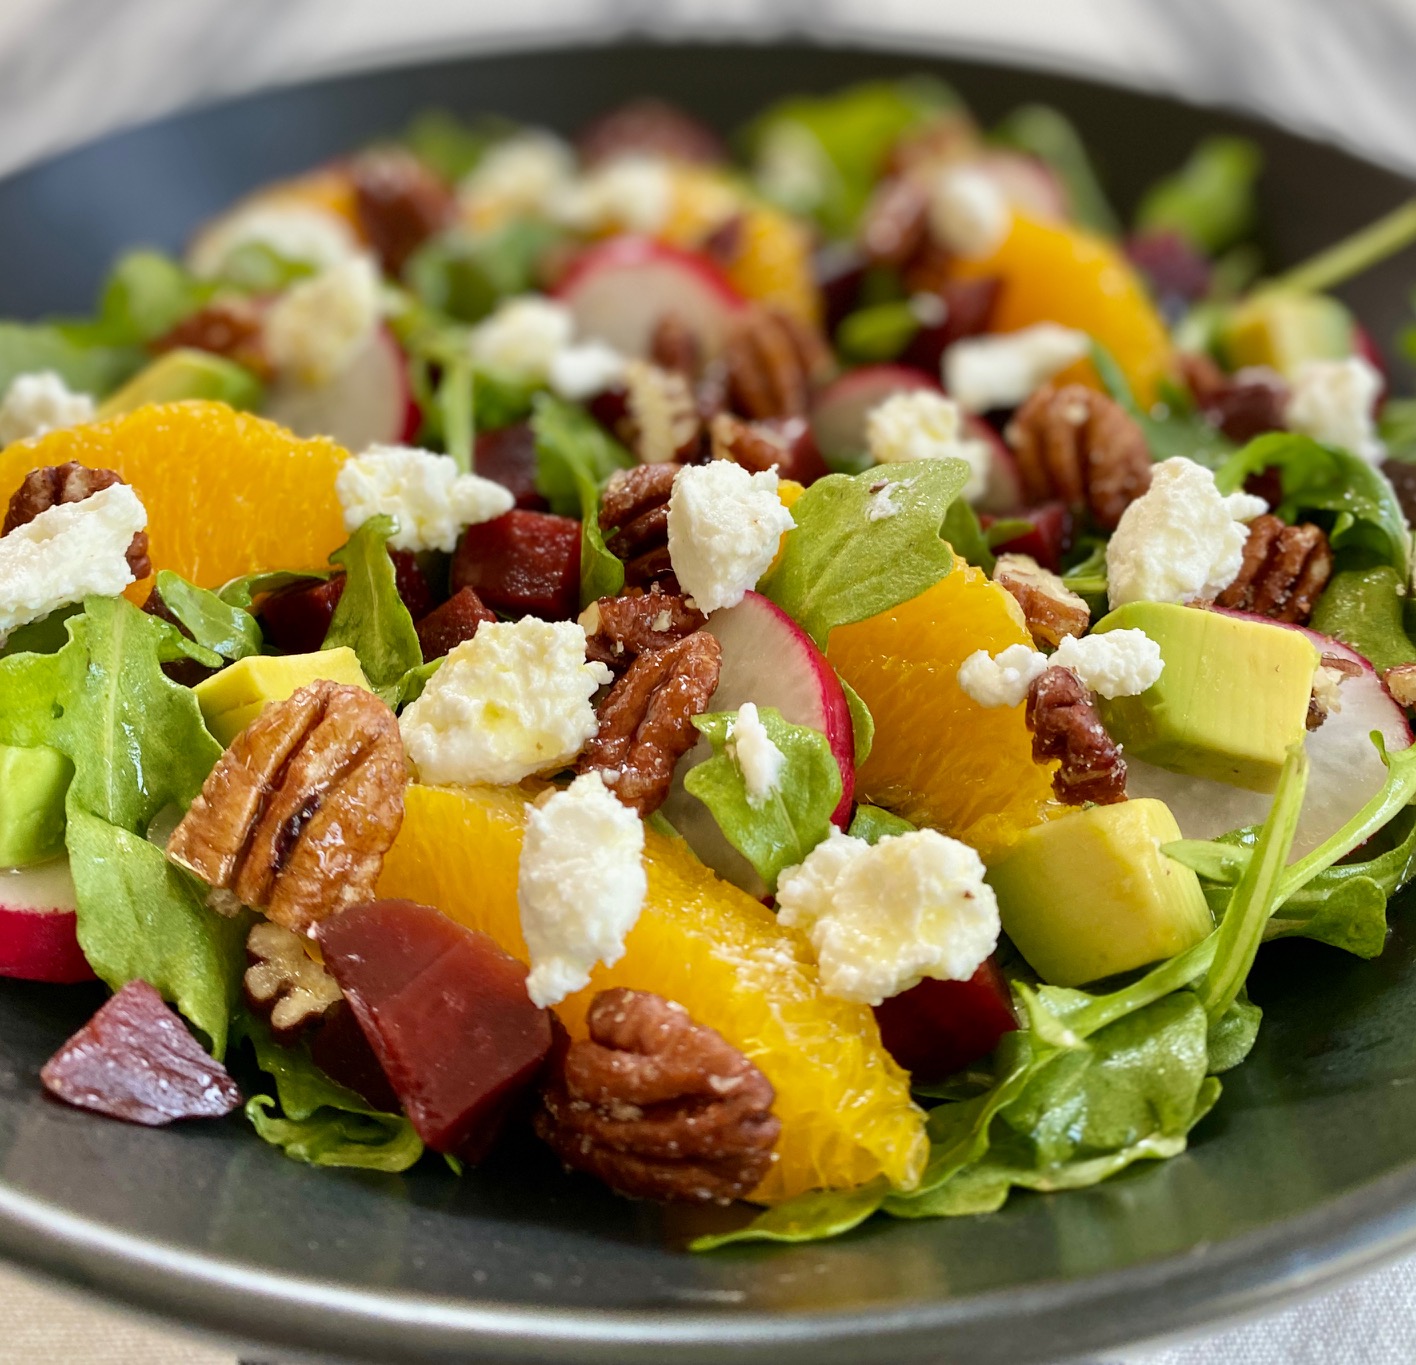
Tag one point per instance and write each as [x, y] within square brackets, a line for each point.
[1306, 1171]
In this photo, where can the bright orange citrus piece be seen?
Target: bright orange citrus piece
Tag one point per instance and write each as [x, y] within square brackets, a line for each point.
[328, 188]
[226, 493]
[939, 758]
[772, 263]
[844, 1105]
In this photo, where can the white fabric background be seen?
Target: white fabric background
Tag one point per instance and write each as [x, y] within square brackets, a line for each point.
[72, 68]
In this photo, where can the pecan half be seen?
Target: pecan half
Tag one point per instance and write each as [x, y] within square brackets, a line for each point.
[1066, 727]
[659, 1107]
[1284, 571]
[661, 422]
[646, 720]
[72, 482]
[284, 984]
[1081, 447]
[775, 363]
[400, 202]
[756, 446]
[634, 515]
[674, 346]
[229, 327]
[895, 225]
[1241, 405]
[619, 629]
[298, 813]
[1052, 610]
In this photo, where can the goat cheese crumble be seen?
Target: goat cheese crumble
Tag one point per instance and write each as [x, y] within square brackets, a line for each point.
[319, 325]
[758, 758]
[520, 175]
[40, 402]
[292, 231]
[920, 424]
[1002, 371]
[968, 214]
[1333, 400]
[522, 338]
[631, 193]
[581, 371]
[1116, 663]
[1002, 679]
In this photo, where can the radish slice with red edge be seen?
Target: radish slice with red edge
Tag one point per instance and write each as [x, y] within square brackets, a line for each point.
[39, 924]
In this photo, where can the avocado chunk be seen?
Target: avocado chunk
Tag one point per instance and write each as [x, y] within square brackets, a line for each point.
[232, 699]
[1090, 894]
[1284, 330]
[33, 783]
[1230, 702]
[186, 374]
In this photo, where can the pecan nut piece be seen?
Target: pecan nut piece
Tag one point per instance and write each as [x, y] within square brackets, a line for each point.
[1083, 448]
[1242, 405]
[661, 423]
[298, 813]
[1066, 728]
[63, 483]
[895, 224]
[758, 446]
[659, 1107]
[229, 327]
[775, 363]
[674, 346]
[1284, 571]
[400, 202]
[634, 515]
[284, 984]
[1052, 610]
[619, 629]
[646, 720]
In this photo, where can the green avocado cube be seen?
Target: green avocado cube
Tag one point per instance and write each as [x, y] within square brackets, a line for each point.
[1090, 894]
[232, 699]
[1231, 701]
[1285, 330]
[185, 374]
[33, 783]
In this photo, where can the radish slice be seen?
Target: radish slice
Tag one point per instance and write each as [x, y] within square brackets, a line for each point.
[1028, 184]
[369, 402]
[38, 925]
[619, 291]
[1345, 771]
[839, 413]
[767, 659]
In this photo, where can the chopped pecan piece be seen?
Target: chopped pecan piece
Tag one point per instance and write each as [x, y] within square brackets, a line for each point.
[619, 629]
[1052, 610]
[646, 720]
[229, 327]
[634, 515]
[674, 346]
[756, 446]
[1242, 405]
[452, 624]
[1066, 728]
[1400, 682]
[1284, 571]
[298, 813]
[775, 363]
[63, 483]
[284, 984]
[1081, 447]
[401, 203]
[658, 1107]
[895, 225]
[661, 422]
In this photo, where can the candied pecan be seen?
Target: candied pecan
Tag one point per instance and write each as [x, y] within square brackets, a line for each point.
[661, 421]
[646, 719]
[298, 813]
[634, 515]
[619, 629]
[1241, 405]
[775, 362]
[283, 983]
[649, 127]
[400, 202]
[72, 482]
[895, 224]
[1081, 447]
[657, 1106]
[1052, 610]
[452, 624]
[674, 346]
[1400, 681]
[1285, 569]
[1065, 727]
[229, 327]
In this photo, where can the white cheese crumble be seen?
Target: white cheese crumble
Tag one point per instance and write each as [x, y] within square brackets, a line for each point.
[581, 371]
[1179, 542]
[512, 701]
[1245, 506]
[1003, 370]
[920, 424]
[632, 193]
[759, 759]
[68, 552]
[724, 528]
[522, 338]
[968, 214]
[1116, 663]
[39, 402]
[581, 885]
[883, 918]
[319, 325]
[882, 504]
[521, 175]
[431, 501]
[1002, 679]
[292, 231]
[1333, 400]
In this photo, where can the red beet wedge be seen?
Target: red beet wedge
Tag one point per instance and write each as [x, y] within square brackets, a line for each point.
[507, 455]
[452, 624]
[446, 1012]
[523, 564]
[296, 619]
[135, 1060]
[1047, 541]
[939, 1027]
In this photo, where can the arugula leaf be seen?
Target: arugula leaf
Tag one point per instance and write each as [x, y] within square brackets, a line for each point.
[411, 685]
[371, 618]
[1174, 426]
[810, 1217]
[877, 333]
[146, 295]
[1044, 132]
[1231, 1037]
[1360, 251]
[572, 451]
[83, 359]
[1398, 421]
[862, 723]
[450, 147]
[242, 592]
[225, 630]
[778, 832]
[48, 635]
[1210, 200]
[464, 275]
[967, 539]
[838, 566]
[601, 572]
[873, 823]
[1365, 608]
[455, 399]
[258, 268]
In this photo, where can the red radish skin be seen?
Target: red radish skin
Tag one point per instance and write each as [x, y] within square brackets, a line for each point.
[39, 926]
[939, 1027]
[1029, 184]
[839, 412]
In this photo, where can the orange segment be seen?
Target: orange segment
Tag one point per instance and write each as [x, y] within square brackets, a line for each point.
[844, 1105]
[226, 493]
[1057, 272]
[939, 758]
[329, 188]
[773, 263]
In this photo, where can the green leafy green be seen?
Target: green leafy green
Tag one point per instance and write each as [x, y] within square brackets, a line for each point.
[862, 722]
[450, 147]
[810, 1217]
[371, 618]
[242, 592]
[1348, 258]
[48, 635]
[778, 831]
[1046, 133]
[146, 295]
[1210, 200]
[258, 268]
[874, 823]
[1366, 608]
[464, 275]
[80, 356]
[838, 566]
[964, 534]
[225, 630]
[456, 399]
[878, 333]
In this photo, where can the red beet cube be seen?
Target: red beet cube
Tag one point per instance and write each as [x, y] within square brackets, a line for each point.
[1046, 542]
[451, 624]
[412, 583]
[446, 1013]
[296, 619]
[508, 456]
[523, 564]
[135, 1060]
[939, 1027]
[966, 310]
[341, 1050]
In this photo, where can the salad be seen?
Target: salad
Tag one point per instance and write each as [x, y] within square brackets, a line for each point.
[802, 674]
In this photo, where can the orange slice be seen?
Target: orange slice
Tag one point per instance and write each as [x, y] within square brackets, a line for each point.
[773, 263]
[844, 1104]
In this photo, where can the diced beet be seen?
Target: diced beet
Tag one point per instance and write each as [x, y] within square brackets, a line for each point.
[840, 271]
[1049, 539]
[507, 456]
[523, 564]
[135, 1060]
[649, 127]
[939, 1027]
[1178, 273]
[452, 623]
[341, 1050]
[966, 311]
[610, 408]
[447, 1015]
[412, 583]
[296, 619]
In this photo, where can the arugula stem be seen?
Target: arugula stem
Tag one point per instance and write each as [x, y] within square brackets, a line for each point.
[455, 400]
[1350, 257]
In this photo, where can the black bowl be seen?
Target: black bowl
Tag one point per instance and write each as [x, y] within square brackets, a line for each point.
[1306, 1170]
